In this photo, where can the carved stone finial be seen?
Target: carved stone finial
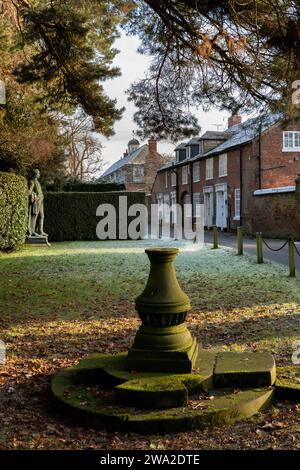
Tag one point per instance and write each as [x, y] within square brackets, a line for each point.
[163, 342]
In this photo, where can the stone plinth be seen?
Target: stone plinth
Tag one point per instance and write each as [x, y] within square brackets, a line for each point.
[38, 240]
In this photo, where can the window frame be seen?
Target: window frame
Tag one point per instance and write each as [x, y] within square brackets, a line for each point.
[185, 174]
[209, 176]
[222, 165]
[138, 178]
[173, 204]
[199, 174]
[295, 135]
[196, 205]
[237, 214]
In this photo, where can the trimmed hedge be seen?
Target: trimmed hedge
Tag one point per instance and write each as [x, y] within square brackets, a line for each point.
[77, 186]
[72, 216]
[13, 210]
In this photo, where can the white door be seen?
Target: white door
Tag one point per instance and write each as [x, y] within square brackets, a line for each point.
[187, 209]
[221, 209]
[208, 209]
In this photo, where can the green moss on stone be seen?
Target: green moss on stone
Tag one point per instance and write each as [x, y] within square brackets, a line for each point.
[287, 385]
[148, 390]
[244, 370]
[94, 406]
[224, 410]
[163, 392]
[97, 412]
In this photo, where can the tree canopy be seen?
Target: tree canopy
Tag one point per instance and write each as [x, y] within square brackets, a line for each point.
[55, 56]
[68, 53]
[233, 54]
[29, 135]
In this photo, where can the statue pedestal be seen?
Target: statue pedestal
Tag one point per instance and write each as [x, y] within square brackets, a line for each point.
[41, 240]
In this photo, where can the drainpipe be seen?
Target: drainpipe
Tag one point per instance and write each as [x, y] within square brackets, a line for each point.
[241, 187]
[259, 155]
[177, 183]
[177, 187]
[192, 189]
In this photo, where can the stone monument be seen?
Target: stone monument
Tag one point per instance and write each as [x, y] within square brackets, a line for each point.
[166, 382]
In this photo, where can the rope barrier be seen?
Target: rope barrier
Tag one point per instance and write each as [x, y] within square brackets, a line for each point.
[275, 249]
[296, 249]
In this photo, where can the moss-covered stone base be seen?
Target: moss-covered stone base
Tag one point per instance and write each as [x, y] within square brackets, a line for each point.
[101, 393]
[288, 383]
[176, 361]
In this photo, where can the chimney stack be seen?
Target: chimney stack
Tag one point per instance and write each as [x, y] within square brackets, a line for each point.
[152, 143]
[234, 119]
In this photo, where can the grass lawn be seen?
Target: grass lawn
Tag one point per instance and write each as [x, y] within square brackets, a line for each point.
[61, 303]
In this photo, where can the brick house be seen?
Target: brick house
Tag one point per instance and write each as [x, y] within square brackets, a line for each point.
[232, 173]
[137, 168]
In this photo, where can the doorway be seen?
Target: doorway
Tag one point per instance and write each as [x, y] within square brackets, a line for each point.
[221, 206]
[208, 207]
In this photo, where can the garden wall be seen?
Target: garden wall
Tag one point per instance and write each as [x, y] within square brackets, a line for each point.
[275, 215]
[72, 215]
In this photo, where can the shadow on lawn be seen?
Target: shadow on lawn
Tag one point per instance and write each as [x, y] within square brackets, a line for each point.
[105, 295]
[68, 345]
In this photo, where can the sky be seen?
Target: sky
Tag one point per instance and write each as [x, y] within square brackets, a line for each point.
[133, 67]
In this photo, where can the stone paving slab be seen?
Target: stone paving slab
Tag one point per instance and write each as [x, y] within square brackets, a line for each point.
[244, 370]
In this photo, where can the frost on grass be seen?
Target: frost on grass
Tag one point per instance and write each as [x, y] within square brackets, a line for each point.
[61, 303]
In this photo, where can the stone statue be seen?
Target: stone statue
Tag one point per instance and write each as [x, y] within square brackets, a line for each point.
[36, 206]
